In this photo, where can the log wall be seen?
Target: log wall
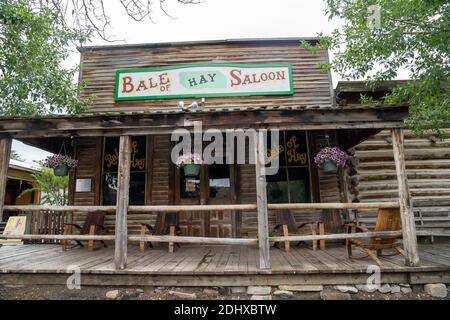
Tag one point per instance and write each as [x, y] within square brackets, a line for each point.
[428, 171]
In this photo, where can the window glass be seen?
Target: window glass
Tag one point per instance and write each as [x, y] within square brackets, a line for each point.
[291, 183]
[277, 187]
[189, 186]
[298, 185]
[137, 170]
[219, 180]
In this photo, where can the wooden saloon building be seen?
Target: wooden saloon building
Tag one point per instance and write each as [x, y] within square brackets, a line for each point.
[224, 218]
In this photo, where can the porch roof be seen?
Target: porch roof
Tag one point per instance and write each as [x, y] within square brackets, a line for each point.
[163, 120]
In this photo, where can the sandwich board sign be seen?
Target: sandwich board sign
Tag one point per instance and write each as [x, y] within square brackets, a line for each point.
[15, 227]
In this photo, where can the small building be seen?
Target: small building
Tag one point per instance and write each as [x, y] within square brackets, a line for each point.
[20, 178]
[147, 96]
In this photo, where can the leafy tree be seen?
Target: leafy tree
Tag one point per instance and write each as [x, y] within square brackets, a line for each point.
[53, 189]
[15, 156]
[35, 37]
[33, 44]
[378, 37]
[94, 14]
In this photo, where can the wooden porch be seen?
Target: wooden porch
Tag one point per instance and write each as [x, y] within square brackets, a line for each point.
[213, 265]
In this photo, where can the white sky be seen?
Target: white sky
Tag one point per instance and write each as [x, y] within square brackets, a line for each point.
[211, 20]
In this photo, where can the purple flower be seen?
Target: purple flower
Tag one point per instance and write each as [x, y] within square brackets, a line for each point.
[57, 160]
[331, 154]
[189, 158]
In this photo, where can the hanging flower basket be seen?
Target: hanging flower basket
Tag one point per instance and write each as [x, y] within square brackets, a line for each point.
[329, 166]
[191, 163]
[329, 159]
[60, 164]
[61, 171]
[191, 170]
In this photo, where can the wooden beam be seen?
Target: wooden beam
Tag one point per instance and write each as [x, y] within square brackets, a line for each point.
[406, 211]
[5, 151]
[58, 237]
[337, 205]
[204, 208]
[188, 208]
[143, 124]
[205, 240]
[123, 186]
[338, 236]
[81, 209]
[261, 200]
[201, 240]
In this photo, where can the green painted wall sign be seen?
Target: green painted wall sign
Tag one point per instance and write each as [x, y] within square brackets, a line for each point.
[204, 80]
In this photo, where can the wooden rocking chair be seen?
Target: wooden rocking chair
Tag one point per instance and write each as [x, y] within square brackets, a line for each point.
[93, 225]
[387, 220]
[166, 224]
[287, 226]
[330, 222]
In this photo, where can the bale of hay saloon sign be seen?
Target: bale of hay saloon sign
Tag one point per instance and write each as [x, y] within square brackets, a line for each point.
[204, 80]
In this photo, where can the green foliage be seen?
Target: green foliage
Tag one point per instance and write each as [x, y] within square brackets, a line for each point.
[54, 190]
[15, 156]
[411, 34]
[33, 44]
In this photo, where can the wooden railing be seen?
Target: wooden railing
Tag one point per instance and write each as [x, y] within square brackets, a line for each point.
[197, 208]
[202, 208]
[37, 209]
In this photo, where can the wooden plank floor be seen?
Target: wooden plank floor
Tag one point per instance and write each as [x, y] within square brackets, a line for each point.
[207, 260]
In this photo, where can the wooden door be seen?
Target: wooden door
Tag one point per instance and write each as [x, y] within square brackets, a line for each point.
[193, 224]
[221, 221]
[218, 223]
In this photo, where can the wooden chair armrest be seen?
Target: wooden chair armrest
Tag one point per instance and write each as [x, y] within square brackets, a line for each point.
[149, 227]
[363, 228]
[73, 225]
[353, 226]
[278, 226]
[99, 226]
[309, 224]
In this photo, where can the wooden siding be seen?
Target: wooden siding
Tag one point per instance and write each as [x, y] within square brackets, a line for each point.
[89, 154]
[428, 171]
[312, 86]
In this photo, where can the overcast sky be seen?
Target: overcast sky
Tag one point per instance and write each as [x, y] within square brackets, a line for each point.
[210, 20]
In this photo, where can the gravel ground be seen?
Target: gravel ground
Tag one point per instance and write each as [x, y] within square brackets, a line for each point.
[56, 292]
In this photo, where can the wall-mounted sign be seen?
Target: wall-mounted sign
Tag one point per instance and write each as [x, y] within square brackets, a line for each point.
[204, 80]
[83, 185]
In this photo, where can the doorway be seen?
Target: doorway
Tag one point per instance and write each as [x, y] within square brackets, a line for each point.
[215, 185]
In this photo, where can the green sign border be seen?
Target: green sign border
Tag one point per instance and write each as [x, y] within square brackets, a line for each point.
[238, 65]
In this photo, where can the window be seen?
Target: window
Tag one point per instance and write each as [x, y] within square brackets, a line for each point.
[219, 181]
[137, 170]
[291, 183]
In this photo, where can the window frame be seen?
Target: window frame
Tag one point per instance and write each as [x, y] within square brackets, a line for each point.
[145, 171]
[286, 167]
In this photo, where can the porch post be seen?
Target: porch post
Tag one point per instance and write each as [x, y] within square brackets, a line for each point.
[406, 210]
[261, 201]
[5, 151]
[123, 185]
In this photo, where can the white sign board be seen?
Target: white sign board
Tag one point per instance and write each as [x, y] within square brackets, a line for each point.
[83, 185]
[14, 227]
[204, 80]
